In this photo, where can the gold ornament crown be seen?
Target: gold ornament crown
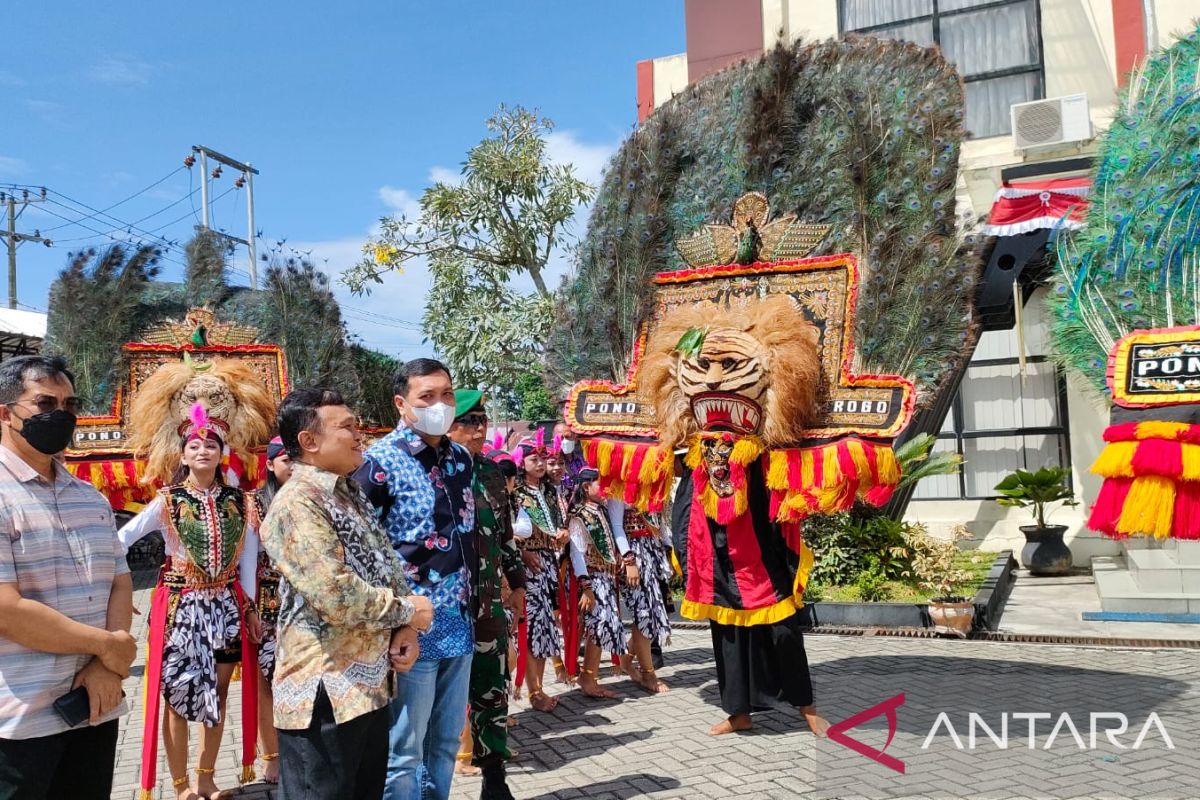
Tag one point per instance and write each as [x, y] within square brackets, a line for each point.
[751, 237]
[199, 327]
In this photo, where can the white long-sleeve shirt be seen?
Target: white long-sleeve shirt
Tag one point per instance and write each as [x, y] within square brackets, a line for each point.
[150, 519]
[580, 536]
[616, 519]
[523, 527]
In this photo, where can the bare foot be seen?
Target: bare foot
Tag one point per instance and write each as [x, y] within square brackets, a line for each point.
[592, 688]
[816, 723]
[511, 722]
[206, 786]
[651, 683]
[735, 724]
[270, 770]
[626, 666]
[466, 769]
[540, 701]
[185, 793]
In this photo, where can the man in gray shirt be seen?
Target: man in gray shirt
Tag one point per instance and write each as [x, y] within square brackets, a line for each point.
[66, 597]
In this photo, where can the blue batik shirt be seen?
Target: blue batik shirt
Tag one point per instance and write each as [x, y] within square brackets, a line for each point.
[424, 498]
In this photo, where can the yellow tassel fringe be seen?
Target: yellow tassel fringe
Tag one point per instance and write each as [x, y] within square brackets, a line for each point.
[1154, 429]
[1115, 460]
[1149, 508]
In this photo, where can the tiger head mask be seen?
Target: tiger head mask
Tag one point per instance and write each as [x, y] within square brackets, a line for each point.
[229, 391]
[748, 370]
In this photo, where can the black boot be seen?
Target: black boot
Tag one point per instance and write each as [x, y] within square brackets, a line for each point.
[495, 784]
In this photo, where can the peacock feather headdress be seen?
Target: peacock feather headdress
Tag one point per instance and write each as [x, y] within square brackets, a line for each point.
[852, 144]
[1135, 264]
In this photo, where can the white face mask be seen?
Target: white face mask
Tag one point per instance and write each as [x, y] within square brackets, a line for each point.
[434, 420]
[568, 446]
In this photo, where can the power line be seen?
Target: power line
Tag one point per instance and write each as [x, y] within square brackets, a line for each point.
[168, 248]
[132, 196]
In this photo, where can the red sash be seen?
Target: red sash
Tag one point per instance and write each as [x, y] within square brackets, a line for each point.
[152, 690]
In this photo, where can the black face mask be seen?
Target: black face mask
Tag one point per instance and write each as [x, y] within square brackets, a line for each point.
[48, 433]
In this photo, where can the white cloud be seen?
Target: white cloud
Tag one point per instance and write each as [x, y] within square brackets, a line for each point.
[400, 200]
[389, 318]
[122, 71]
[13, 167]
[589, 160]
[446, 175]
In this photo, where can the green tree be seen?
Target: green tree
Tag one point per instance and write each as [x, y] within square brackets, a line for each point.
[505, 218]
[533, 399]
[489, 333]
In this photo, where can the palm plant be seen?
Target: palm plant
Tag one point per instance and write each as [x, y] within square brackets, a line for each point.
[1036, 490]
[917, 460]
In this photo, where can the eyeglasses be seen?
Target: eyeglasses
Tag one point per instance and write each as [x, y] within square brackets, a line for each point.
[473, 420]
[46, 404]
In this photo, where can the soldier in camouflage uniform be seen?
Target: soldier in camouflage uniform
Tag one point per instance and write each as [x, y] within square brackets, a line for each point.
[496, 553]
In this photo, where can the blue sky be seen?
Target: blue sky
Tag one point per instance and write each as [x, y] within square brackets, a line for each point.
[347, 109]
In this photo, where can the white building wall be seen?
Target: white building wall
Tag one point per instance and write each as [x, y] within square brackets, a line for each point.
[670, 77]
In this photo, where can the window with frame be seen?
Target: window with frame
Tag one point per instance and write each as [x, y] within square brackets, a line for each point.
[1000, 422]
[996, 45]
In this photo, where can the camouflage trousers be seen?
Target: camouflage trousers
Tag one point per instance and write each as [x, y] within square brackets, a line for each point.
[488, 713]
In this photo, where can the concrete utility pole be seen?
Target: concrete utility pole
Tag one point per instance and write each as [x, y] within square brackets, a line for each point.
[248, 173]
[14, 238]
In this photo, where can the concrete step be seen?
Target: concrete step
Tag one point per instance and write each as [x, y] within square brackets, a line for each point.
[1187, 553]
[1161, 571]
[1120, 592]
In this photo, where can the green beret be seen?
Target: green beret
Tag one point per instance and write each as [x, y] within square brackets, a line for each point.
[466, 401]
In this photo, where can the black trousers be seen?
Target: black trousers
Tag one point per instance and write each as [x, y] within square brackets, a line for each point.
[337, 762]
[761, 666]
[75, 764]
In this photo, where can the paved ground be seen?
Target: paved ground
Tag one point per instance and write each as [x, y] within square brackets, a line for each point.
[656, 747]
[1055, 606]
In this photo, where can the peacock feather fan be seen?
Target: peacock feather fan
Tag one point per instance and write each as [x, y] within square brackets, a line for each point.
[1135, 264]
[861, 134]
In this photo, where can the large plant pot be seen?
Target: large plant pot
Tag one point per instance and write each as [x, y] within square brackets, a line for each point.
[953, 617]
[1044, 552]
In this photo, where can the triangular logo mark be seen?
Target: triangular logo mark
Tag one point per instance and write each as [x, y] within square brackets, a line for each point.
[837, 731]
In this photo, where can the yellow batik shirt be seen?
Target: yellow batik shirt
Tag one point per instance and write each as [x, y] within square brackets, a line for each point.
[341, 595]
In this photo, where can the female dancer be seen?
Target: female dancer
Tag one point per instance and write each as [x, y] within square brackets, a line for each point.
[644, 595]
[279, 469]
[541, 537]
[597, 564]
[202, 621]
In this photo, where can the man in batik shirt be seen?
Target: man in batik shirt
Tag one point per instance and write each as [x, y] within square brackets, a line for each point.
[496, 554]
[420, 485]
[346, 613]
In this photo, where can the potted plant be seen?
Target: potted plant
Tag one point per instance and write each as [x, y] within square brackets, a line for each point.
[935, 570]
[1044, 552]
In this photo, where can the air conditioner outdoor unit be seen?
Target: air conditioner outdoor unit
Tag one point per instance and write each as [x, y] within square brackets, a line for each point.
[1049, 122]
